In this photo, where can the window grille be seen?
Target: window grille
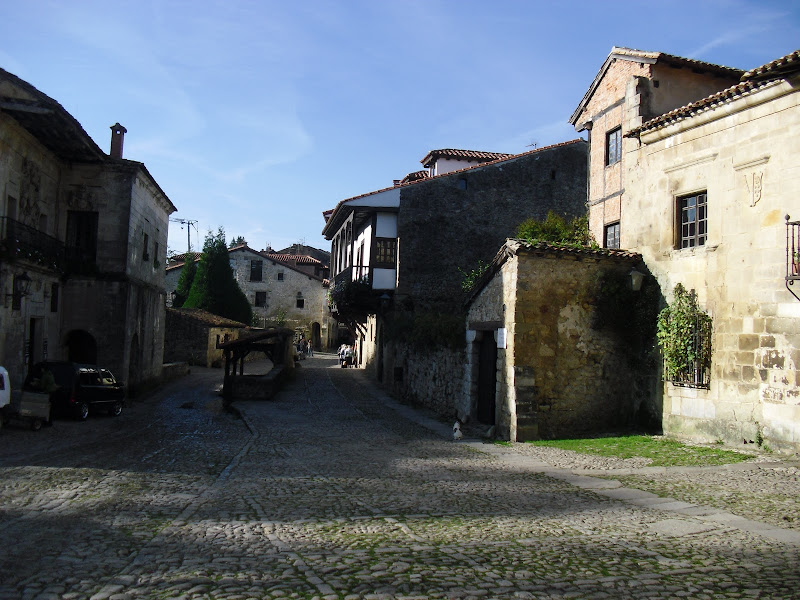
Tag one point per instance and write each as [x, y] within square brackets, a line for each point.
[694, 220]
[614, 146]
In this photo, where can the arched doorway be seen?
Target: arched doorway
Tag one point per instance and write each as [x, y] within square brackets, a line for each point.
[316, 336]
[81, 347]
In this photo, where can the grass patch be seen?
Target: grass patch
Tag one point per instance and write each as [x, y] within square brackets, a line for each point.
[662, 452]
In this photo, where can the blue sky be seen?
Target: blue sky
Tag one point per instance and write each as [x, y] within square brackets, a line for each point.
[258, 116]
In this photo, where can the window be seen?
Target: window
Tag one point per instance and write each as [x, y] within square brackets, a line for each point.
[261, 299]
[462, 183]
[146, 248]
[693, 214]
[81, 239]
[385, 252]
[300, 300]
[256, 270]
[614, 146]
[280, 276]
[155, 254]
[611, 236]
[54, 297]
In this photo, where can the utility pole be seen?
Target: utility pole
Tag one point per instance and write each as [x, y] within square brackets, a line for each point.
[189, 224]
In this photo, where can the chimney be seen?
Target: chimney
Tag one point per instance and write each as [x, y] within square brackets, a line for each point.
[117, 139]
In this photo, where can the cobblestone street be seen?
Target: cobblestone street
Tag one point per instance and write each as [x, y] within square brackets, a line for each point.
[332, 490]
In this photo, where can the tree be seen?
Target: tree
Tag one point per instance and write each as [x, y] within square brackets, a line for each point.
[238, 241]
[185, 281]
[214, 287]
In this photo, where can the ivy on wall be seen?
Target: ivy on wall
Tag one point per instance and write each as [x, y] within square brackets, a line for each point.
[684, 336]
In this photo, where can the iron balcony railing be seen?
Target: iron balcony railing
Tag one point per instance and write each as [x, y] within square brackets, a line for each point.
[360, 273]
[22, 242]
[792, 254]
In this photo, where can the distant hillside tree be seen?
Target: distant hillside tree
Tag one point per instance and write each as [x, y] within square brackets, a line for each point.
[214, 287]
[185, 280]
[238, 241]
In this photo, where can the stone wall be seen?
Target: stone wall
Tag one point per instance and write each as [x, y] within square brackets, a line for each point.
[743, 154]
[429, 377]
[562, 373]
[194, 341]
[452, 222]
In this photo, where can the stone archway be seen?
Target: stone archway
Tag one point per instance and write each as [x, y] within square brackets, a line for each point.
[81, 347]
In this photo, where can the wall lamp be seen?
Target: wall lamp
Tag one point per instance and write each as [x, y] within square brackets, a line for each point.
[21, 288]
[636, 279]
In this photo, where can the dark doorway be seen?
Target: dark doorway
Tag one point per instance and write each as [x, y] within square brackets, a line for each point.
[81, 347]
[316, 336]
[379, 344]
[487, 378]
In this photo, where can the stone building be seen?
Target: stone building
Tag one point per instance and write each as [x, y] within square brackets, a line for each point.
[193, 336]
[541, 359]
[279, 292]
[83, 241]
[706, 187]
[398, 258]
[631, 87]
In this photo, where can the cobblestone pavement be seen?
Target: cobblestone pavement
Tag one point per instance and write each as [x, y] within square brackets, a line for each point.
[334, 491]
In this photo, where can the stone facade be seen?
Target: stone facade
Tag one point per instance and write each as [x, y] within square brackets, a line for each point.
[734, 149]
[278, 292]
[447, 224]
[742, 152]
[193, 335]
[90, 232]
[631, 87]
[558, 372]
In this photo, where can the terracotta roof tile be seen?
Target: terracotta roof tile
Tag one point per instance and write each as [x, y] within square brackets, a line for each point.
[299, 258]
[470, 155]
[684, 112]
[776, 68]
[198, 314]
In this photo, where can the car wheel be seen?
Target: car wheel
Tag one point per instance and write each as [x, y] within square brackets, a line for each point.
[82, 411]
[116, 410]
[36, 424]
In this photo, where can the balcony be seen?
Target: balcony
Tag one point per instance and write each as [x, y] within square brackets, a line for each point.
[352, 294]
[792, 254]
[21, 242]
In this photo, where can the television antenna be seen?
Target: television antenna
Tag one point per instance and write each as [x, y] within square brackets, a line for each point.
[189, 224]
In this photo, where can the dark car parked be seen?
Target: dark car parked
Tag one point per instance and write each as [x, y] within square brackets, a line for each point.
[76, 389]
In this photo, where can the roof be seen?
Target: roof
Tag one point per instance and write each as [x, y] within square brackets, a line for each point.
[330, 214]
[777, 68]
[514, 247]
[302, 259]
[468, 155]
[203, 316]
[621, 53]
[56, 129]
[281, 258]
[46, 120]
[415, 176]
[752, 82]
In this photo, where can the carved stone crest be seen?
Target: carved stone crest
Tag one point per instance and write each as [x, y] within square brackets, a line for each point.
[755, 184]
[81, 197]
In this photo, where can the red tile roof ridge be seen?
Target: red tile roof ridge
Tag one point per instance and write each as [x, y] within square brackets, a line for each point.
[689, 110]
[570, 249]
[468, 154]
[303, 258]
[775, 67]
